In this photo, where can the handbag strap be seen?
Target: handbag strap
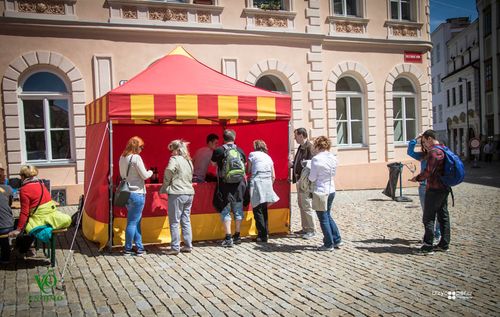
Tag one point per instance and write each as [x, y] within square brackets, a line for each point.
[129, 163]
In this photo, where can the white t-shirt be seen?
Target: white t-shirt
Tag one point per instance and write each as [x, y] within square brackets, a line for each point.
[261, 162]
[323, 168]
[201, 161]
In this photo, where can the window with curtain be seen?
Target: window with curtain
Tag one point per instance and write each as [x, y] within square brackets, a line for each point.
[45, 110]
[401, 10]
[346, 7]
[350, 128]
[404, 110]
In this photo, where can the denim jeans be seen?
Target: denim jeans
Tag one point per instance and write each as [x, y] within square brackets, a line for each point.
[237, 208]
[179, 210]
[436, 204]
[331, 233]
[133, 234]
[421, 195]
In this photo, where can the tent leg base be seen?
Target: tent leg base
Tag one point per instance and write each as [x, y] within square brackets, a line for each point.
[403, 199]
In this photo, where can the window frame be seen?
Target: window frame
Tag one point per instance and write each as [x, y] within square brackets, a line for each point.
[348, 95]
[45, 97]
[413, 14]
[405, 95]
[460, 94]
[344, 9]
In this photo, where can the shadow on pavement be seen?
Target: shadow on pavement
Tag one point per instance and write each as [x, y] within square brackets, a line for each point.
[487, 174]
[285, 248]
[395, 249]
[391, 241]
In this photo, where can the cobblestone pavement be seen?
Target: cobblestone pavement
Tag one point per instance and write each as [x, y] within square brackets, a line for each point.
[375, 273]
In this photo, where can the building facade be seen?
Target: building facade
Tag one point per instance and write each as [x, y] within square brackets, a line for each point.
[439, 70]
[489, 39]
[461, 84]
[358, 71]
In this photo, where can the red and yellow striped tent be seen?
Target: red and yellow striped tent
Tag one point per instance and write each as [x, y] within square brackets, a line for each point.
[178, 97]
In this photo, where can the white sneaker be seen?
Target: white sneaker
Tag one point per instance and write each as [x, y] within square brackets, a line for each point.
[323, 248]
[309, 235]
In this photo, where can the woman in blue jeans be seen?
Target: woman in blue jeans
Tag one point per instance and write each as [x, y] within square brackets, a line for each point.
[132, 168]
[323, 169]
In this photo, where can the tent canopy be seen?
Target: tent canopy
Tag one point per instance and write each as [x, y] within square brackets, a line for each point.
[179, 89]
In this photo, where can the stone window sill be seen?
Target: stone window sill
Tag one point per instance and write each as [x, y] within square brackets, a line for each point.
[272, 20]
[62, 10]
[347, 25]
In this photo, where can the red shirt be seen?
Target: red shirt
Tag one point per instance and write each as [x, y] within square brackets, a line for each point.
[434, 169]
[29, 196]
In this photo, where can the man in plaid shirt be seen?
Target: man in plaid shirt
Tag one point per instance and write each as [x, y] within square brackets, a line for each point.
[436, 195]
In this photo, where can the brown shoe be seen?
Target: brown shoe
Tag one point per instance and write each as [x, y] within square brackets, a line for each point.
[186, 250]
[171, 252]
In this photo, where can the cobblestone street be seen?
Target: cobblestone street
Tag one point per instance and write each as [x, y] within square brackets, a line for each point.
[376, 272]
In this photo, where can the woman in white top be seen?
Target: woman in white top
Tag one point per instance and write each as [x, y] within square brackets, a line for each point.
[132, 168]
[323, 168]
[261, 167]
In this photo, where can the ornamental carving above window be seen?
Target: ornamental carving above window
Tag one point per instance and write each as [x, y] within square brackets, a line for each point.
[270, 21]
[204, 17]
[404, 31]
[45, 7]
[168, 15]
[347, 27]
[129, 12]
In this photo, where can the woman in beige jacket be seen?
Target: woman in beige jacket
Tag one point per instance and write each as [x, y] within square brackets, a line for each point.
[177, 183]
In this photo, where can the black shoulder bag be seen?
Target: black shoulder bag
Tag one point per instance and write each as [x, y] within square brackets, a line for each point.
[122, 193]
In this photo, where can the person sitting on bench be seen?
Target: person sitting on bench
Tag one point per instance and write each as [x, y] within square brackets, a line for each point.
[39, 215]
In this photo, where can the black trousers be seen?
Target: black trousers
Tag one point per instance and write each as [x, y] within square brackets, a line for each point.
[4, 245]
[24, 243]
[260, 215]
[436, 204]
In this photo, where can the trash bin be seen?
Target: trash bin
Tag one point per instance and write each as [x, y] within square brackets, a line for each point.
[392, 183]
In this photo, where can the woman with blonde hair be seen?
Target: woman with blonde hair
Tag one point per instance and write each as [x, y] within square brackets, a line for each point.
[261, 168]
[39, 214]
[133, 170]
[323, 169]
[177, 183]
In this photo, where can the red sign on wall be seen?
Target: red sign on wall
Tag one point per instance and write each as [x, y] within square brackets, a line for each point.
[413, 57]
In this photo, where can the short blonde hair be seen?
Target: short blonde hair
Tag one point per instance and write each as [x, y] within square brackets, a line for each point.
[260, 145]
[322, 143]
[180, 146]
[28, 171]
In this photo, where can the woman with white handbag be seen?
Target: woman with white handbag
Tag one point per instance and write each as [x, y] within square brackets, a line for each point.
[323, 168]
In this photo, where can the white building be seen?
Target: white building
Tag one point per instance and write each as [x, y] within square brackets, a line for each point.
[461, 86]
[439, 60]
[489, 27]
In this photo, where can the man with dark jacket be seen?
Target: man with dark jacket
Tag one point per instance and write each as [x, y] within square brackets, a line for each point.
[6, 226]
[436, 195]
[304, 153]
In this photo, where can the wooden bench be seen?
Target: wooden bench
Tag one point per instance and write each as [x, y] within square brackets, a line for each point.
[49, 250]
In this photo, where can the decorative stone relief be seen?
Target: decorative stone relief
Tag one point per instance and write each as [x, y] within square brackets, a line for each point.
[204, 17]
[129, 12]
[168, 15]
[45, 7]
[346, 27]
[404, 31]
[271, 21]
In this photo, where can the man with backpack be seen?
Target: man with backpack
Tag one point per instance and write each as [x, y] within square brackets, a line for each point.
[231, 185]
[436, 194]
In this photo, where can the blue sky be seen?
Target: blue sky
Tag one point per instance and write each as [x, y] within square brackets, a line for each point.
[444, 9]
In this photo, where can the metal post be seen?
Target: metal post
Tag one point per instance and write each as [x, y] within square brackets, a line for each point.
[110, 181]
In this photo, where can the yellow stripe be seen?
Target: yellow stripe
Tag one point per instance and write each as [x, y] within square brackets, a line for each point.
[87, 121]
[179, 50]
[98, 111]
[204, 226]
[92, 118]
[94, 230]
[186, 107]
[228, 107]
[266, 108]
[104, 108]
[142, 107]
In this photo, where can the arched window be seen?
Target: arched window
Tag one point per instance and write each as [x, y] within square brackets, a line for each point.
[350, 128]
[404, 110]
[45, 118]
[270, 82]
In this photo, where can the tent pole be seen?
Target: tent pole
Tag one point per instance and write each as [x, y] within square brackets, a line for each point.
[290, 179]
[110, 181]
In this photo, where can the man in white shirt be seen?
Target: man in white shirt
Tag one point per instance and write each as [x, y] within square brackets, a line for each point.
[201, 159]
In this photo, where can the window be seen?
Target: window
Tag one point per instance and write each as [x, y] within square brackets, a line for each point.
[460, 94]
[438, 53]
[46, 118]
[401, 10]
[440, 113]
[454, 97]
[469, 91]
[271, 83]
[345, 7]
[404, 110]
[488, 75]
[487, 21]
[350, 130]
[434, 115]
[448, 98]
[268, 4]
[439, 82]
[433, 83]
